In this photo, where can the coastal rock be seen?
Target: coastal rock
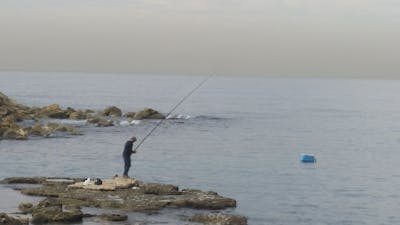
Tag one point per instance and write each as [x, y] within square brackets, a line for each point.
[50, 128]
[112, 111]
[130, 114]
[9, 106]
[99, 122]
[54, 127]
[10, 130]
[148, 113]
[51, 210]
[69, 110]
[143, 197]
[23, 180]
[5, 100]
[26, 208]
[197, 199]
[16, 113]
[53, 111]
[114, 217]
[8, 220]
[16, 134]
[160, 189]
[11, 113]
[219, 219]
[78, 115]
[39, 130]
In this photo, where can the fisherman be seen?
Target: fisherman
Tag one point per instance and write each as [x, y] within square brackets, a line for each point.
[128, 150]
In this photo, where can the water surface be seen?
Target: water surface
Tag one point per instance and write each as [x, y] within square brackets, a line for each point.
[243, 139]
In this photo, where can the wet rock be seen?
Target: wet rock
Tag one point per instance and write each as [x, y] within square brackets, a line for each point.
[143, 198]
[16, 134]
[196, 199]
[78, 115]
[219, 219]
[69, 110]
[25, 208]
[54, 127]
[130, 114]
[10, 130]
[112, 111]
[160, 189]
[23, 180]
[72, 207]
[113, 217]
[50, 128]
[39, 130]
[8, 220]
[148, 113]
[99, 122]
[53, 111]
[9, 107]
[51, 210]
[48, 202]
[54, 214]
[5, 100]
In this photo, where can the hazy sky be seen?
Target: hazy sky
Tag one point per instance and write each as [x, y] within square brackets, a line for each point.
[276, 37]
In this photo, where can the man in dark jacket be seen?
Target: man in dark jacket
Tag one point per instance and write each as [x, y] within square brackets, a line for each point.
[128, 150]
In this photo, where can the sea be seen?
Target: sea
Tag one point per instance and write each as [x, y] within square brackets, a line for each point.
[241, 136]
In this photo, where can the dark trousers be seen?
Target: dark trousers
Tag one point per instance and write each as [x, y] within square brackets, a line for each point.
[127, 161]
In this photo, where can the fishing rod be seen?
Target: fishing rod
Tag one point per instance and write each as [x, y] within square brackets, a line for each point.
[169, 113]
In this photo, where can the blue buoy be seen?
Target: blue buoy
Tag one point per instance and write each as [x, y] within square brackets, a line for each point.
[305, 158]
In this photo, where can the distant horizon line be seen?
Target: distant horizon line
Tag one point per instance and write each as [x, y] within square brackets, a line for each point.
[250, 75]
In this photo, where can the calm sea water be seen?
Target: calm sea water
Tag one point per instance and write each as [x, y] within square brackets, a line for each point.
[243, 139]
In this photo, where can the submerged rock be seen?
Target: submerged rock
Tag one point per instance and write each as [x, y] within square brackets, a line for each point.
[113, 217]
[112, 111]
[219, 219]
[148, 113]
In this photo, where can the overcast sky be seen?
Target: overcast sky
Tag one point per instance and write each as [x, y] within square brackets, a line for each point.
[349, 38]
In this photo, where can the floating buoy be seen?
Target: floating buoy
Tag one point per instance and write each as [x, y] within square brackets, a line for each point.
[306, 158]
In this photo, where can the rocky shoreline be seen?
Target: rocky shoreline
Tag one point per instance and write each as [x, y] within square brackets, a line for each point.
[13, 114]
[63, 202]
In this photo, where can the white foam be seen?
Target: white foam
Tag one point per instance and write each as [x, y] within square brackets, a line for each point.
[124, 123]
[135, 122]
[69, 122]
[179, 117]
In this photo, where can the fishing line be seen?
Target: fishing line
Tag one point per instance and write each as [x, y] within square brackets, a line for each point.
[169, 113]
